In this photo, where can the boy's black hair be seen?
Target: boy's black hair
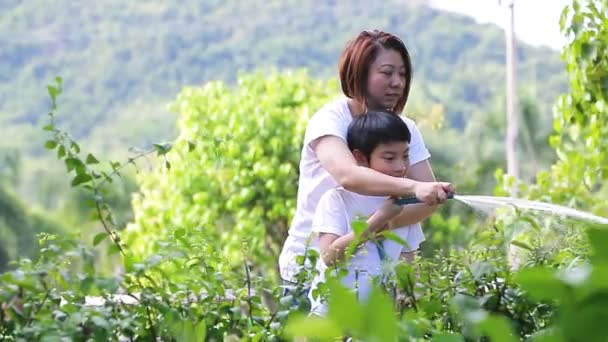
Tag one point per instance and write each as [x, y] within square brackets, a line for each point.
[371, 129]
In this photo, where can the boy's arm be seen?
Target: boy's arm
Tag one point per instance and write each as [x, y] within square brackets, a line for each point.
[380, 220]
[415, 213]
[333, 246]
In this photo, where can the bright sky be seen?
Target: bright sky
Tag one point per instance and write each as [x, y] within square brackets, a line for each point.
[536, 21]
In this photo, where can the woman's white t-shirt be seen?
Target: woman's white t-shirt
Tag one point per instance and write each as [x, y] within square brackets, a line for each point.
[331, 120]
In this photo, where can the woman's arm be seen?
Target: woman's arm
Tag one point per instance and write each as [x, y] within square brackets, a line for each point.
[337, 159]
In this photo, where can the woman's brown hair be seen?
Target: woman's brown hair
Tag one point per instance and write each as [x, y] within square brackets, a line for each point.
[357, 57]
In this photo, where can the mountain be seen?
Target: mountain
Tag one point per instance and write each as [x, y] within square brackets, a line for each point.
[122, 62]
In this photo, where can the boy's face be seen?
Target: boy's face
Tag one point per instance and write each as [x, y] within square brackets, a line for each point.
[391, 159]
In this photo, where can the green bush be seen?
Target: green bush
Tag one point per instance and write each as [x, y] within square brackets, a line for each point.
[239, 180]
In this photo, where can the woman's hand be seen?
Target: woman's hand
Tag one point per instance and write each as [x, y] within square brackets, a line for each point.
[433, 192]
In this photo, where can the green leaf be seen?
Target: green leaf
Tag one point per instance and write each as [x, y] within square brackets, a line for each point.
[598, 238]
[390, 235]
[563, 17]
[480, 269]
[589, 51]
[531, 221]
[86, 284]
[113, 249]
[179, 233]
[100, 322]
[167, 165]
[344, 309]
[540, 283]
[54, 91]
[521, 244]
[380, 318]
[73, 163]
[546, 335]
[61, 152]
[497, 328]
[191, 145]
[406, 277]
[75, 147]
[198, 332]
[447, 337]
[91, 159]
[81, 178]
[50, 144]
[312, 327]
[162, 149]
[359, 225]
[99, 237]
[48, 127]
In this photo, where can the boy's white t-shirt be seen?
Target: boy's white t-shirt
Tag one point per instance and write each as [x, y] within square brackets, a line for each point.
[337, 210]
[331, 120]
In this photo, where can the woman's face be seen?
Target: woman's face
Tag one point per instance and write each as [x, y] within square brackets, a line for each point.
[385, 81]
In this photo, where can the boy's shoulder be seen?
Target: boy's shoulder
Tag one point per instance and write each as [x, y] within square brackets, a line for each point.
[408, 121]
[350, 202]
[333, 195]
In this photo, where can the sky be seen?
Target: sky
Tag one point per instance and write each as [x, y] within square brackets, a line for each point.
[536, 21]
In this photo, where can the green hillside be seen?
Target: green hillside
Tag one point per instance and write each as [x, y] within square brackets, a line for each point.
[123, 61]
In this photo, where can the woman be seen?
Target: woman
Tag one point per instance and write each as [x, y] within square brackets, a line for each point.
[375, 74]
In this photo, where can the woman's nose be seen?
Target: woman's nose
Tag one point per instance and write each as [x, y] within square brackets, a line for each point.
[396, 82]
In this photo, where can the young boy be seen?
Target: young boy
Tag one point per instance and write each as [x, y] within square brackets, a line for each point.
[380, 141]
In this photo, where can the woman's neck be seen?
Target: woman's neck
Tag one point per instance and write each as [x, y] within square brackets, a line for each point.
[355, 107]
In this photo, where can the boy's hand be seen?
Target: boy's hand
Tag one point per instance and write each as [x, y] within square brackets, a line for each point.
[433, 193]
[379, 220]
[389, 209]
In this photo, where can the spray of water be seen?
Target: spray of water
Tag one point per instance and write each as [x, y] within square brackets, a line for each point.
[489, 204]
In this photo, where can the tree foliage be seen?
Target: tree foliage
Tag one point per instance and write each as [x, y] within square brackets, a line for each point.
[239, 182]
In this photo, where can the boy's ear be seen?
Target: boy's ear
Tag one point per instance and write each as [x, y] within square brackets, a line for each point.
[360, 158]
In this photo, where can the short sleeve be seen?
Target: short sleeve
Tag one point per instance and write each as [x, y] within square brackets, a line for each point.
[330, 215]
[328, 120]
[418, 150]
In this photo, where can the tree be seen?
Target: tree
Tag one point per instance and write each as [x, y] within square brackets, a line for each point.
[237, 186]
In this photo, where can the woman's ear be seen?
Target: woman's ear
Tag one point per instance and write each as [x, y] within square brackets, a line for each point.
[360, 158]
